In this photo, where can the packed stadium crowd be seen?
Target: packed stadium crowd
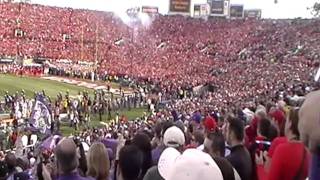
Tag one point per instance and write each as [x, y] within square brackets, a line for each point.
[246, 122]
[257, 142]
[197, 48]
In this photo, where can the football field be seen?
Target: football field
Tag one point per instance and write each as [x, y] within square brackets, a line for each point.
[31, 85]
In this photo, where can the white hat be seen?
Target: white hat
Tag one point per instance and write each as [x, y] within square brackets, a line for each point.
[193, 164]
[173, 137]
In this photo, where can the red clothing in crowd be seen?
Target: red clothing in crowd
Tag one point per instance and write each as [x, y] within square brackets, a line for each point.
[280, 118]
[287, 159]
[261, 171]
[210, 124]
[275, 143]
[251, 132]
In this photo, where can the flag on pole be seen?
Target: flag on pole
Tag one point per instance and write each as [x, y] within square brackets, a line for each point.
[41, 114]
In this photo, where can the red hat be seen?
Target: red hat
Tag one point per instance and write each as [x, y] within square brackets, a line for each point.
[210, 124]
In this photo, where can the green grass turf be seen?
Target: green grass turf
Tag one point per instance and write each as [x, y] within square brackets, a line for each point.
[132, 114]
[13, 83]
[30, 85]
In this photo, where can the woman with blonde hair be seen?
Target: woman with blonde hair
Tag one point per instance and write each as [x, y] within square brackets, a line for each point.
[98, 162]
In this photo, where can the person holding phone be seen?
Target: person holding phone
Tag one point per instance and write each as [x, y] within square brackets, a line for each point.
[290, 160]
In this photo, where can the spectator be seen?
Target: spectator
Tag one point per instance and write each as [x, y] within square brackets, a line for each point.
[174, 165]
[283, 166]
[142, 141]
[3, 170]
[67, 159]
[82, 168]
[98, 162]
[173, 137]
[278, 117]
[156, 152]
[239, 156]
[130, 163]
[11, 162]
[197, 139]
[309, 130]
[215, 146]
[210, 124]
[266, 132]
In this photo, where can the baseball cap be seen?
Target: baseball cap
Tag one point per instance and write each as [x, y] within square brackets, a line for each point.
[193, 164]
[173, 137]
[210, 124]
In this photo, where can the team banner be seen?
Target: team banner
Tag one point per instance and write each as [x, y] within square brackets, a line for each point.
[150, 9]
[217, 7]
[180, 6]
[41, 114]
[236, 11]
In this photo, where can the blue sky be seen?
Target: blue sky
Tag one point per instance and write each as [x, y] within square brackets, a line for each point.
[283, 9]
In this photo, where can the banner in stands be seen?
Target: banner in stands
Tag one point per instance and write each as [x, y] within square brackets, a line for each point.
[150, 9]
[180, 6]
[253, 13]
[236, 11]
[217, 7]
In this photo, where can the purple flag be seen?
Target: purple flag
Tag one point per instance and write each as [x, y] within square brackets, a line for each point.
[41, 114]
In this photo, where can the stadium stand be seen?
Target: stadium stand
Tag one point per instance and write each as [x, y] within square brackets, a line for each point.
[253, 54]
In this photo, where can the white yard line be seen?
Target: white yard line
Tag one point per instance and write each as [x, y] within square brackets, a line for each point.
[90, 85]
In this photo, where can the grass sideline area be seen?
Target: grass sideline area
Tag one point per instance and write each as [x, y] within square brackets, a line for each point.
[13, 83]
[132, 114]
[30, 85]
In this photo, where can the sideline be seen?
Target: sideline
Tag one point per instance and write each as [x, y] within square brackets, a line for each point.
[90, 85]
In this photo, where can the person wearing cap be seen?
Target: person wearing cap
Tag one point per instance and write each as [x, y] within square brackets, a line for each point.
[160, 130]
[239, 157]
[192, 164]
[210, 125]
[68, 160]
[174, 138]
